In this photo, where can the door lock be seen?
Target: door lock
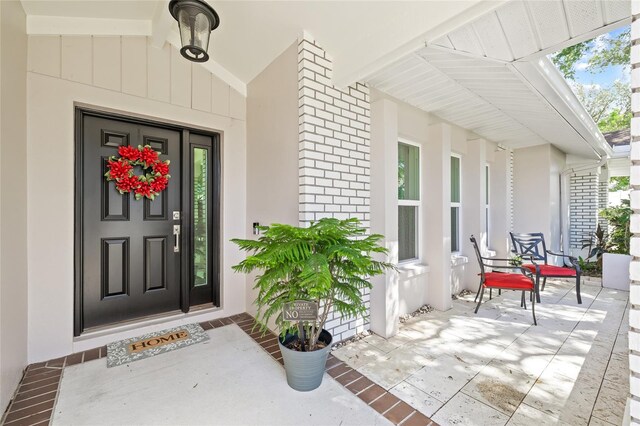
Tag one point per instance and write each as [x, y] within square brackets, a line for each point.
[176, 215]
[176, 236]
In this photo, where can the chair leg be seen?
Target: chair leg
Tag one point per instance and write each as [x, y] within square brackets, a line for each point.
[544, 282]
[490, 294]
[480, 301]
[533, 311]
[478, 292]
[522, 300]
[537, 288]
[578, 289]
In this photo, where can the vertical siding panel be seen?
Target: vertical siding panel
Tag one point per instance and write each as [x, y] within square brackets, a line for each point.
[134, 66]
[219, 96]
[159, 74]
[106, 62]
[200, 88]
[76, 58]
[180, 79]
[44, 55]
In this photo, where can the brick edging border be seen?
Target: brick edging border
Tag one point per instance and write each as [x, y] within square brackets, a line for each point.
[35, 398]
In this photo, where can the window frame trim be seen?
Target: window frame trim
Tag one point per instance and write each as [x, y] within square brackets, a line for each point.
[412, 203]
[458, 204]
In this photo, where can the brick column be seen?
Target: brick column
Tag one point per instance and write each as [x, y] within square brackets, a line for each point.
[334, 149]
[583, 206]
[634, 298]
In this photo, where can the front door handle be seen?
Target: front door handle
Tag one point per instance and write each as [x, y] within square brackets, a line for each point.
[176, 238]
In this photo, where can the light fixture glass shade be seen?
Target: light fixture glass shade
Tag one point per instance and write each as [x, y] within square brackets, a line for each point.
[196, 19]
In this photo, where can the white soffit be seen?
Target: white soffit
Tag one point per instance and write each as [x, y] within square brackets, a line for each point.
[521, 28]
[490, 98]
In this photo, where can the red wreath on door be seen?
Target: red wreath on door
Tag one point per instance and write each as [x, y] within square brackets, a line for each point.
[156, 172]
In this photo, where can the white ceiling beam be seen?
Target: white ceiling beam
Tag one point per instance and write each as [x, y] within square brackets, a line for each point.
[161, 24]
[64, 25]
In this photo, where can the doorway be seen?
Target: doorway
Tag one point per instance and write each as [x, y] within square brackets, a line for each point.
[141, 258]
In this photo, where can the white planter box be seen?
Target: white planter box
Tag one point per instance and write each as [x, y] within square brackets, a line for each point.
[615, 271]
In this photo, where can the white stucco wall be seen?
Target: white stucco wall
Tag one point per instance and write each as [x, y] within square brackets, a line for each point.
[129, 76]
[434, 277]
[536, 191]
[272, 148]
[13, 198]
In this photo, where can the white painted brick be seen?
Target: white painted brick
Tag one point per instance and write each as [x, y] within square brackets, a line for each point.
[634, 412]
[303, 162]
[310, 171]
[332, 174]
[634, 339]
[324, 165]
[634, 363]
[635, 27]
[634, 294]
[306, 198]
[634, 383]
[324, 131]
[312, 189]
[324, 182]
[327, 100]
[635, 153]
[635, 246]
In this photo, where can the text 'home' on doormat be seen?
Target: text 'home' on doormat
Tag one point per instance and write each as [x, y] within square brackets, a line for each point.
[151, 344]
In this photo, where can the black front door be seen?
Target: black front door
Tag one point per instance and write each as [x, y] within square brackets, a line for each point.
[134, 256]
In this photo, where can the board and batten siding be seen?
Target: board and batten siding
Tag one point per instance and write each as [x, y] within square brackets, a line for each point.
[132, 66]
[129, 76]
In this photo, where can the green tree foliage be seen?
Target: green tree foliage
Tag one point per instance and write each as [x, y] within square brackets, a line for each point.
[605, 51]
[610, 107]
[619, 218]
[619, 183]
[568, 57]
[329, 262]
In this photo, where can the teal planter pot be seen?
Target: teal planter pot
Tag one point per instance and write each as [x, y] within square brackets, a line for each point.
[305, 369]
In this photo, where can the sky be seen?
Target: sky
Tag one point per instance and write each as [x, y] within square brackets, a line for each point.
[608, 76]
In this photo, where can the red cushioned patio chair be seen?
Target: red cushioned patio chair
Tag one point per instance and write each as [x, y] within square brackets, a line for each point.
[533, 245]
[520, 281]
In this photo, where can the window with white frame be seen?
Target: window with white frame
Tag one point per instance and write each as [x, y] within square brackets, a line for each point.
[408, 200]
[487, 210]
[456, 203]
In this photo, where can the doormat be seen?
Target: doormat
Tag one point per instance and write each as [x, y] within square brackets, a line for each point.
[152, 344]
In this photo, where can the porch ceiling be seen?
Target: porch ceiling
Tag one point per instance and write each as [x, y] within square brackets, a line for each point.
[492, 99]
[491, 75]
[519, 29]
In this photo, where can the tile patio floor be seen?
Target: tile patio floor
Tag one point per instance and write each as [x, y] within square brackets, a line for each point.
[496, 368]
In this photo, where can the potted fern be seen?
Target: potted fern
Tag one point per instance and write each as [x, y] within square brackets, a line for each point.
[329, 263]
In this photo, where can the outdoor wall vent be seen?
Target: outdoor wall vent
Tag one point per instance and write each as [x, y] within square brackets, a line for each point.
[196, 19]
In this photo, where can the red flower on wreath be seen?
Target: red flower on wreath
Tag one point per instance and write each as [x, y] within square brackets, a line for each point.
[127, 184]
[156, 172]
[148, 156]
[129, 152]
[119, 169]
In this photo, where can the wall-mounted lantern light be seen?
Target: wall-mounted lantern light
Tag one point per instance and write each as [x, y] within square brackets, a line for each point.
[196, 19]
